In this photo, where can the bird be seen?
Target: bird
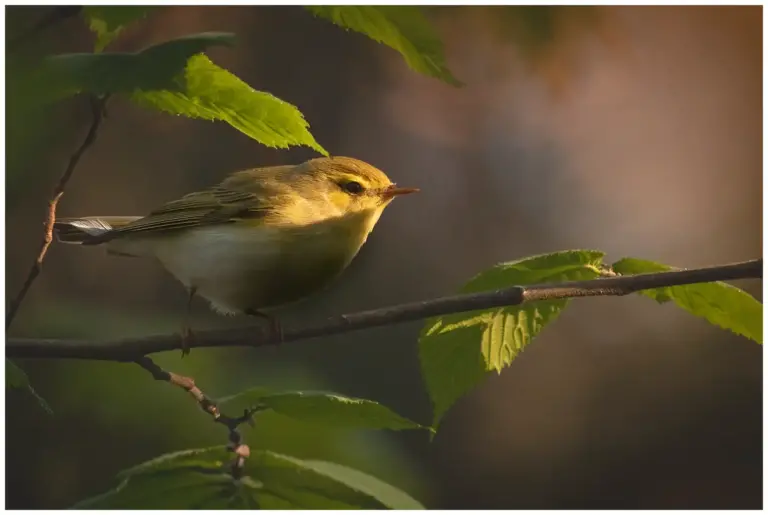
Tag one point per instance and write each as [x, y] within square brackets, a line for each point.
[262, 238]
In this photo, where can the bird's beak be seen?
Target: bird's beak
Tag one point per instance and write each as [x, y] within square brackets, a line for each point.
[393, 191]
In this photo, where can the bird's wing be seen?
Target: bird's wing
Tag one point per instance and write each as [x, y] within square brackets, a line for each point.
[221, 204]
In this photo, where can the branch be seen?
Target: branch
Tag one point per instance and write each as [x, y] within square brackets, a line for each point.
[131, 349]
[236, 445]
[37, 265]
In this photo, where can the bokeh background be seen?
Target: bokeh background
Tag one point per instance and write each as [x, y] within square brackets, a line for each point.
[634, 130]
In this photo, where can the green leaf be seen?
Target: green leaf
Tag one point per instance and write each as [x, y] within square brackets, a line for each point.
[107, 21]
[402, 28]
[390, 496]
[175, 77]
[16, 378]
[192, 479]
[156, 67]
[458, 351]
[321, 408]
[717, 302]
[200, 478]
[281, 482]
[213, 458]
[212, 93]
[178, 489]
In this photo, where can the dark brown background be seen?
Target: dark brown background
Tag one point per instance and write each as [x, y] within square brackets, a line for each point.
[633, 130]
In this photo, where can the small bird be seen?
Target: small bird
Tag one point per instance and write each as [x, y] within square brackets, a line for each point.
[262, 238]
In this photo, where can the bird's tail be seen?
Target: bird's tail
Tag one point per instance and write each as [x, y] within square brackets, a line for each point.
[90, 230]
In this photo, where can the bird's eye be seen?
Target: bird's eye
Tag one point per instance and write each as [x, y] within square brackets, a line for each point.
[352, 187]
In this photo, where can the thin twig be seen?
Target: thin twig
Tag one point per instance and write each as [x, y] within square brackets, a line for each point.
[130, 349]
[236, 445]
[37, 266]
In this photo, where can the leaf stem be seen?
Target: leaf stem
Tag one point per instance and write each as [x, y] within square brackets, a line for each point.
[236, 445]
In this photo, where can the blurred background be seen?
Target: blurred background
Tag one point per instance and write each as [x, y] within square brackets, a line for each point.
[634, 130]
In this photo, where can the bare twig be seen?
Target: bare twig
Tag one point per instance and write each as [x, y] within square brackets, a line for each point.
[131, 349]
[37, 265]
[236, 445]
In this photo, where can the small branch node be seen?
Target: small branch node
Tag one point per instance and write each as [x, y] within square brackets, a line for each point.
[235, 445]
[243, 451]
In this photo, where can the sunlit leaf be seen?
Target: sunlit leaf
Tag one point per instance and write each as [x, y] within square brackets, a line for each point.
[175, 77]
[156, 67]
[107, 21]
[458, 351]
[717, 302]
[212, 93]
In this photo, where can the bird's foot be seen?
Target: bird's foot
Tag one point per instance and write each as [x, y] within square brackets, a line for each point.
[275, 333]
[187, 337]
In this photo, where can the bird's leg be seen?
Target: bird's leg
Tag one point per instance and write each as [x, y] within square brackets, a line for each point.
[274, 324]
[186, 330]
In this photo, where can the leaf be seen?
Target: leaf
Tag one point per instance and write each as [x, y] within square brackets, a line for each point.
[717, 302]
[176, 78]
[209, 457]
[212, 93]
[196, 478]
[322, 408]
[285, 482]
[200, 478]
[458, 351]
[107, 21]
[176, 489]
[156, 67]
[402, 28]
[16, 378]
[389, 495]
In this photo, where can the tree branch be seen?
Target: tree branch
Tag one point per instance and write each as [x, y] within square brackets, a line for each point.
[236, 445]
[131, 349]
[37, 265]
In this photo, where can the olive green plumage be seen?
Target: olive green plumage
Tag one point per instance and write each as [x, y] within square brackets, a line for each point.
[262, 237]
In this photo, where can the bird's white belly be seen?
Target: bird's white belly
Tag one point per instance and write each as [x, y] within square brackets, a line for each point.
[240, 267]
[214, 260]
